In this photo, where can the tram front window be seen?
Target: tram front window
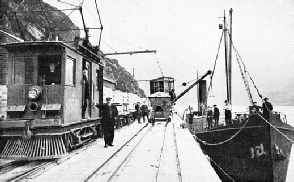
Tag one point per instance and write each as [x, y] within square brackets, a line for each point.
[23, 70]
[49, 70]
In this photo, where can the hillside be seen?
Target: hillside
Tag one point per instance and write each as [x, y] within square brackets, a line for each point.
[124, 80]
[32, 21]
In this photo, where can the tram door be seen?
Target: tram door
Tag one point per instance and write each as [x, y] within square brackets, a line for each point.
[86, 89]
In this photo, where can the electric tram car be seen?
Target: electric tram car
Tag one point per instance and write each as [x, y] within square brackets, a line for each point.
[161, 96]
[45, 96]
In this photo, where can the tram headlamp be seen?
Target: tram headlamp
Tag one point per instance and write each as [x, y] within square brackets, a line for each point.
[35, 92]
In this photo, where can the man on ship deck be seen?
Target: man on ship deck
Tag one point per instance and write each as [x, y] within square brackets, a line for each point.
[228, 113]
[209, 117]
[215, 115]
[267, 107]
[255, 108]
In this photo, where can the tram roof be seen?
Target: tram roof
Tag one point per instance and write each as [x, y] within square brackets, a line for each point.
[35, 43]
[163, 78]
[46, 43]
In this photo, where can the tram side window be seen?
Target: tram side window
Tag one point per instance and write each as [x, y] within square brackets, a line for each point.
[155, 87]
[166, 86]
[70, 67]
[19, 71]
[49, 70]
[97, 79]
[158, 86]
[23, 70]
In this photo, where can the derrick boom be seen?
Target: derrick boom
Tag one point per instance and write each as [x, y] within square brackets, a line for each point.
[191, 86]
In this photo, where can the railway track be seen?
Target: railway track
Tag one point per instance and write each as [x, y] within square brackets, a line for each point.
[22, 170]
[149, 156]
[9, 165]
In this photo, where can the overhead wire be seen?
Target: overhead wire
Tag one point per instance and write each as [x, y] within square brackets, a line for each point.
[40, 2]
[77, 7]
[120, 40]
[109, 46]
[67, 3]
[148, 38]
[34, 11]
[100, 24]
[125, 42]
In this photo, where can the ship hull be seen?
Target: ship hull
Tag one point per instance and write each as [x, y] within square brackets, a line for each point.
[250, 151]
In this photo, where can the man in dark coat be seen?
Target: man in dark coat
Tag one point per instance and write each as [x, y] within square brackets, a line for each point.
[172, 94]
[145, 111]
[267, 107]
[109, 115]
[86, 91]
[215, 115]
[255, 108]
[138, 112]
[209, 117]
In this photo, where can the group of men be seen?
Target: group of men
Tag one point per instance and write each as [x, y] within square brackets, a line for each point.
[142, 111]
[214, 115]
[266, 108]
[109, 112]
[109, 115]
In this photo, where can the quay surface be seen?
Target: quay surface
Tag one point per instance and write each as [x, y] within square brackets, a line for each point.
[180, 158]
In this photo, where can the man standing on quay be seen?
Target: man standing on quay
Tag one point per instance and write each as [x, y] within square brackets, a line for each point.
[138, 112]
[109, 115]
[145, 111]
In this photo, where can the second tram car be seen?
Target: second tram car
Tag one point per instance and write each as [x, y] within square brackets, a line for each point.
[46, 93]
[161, 96]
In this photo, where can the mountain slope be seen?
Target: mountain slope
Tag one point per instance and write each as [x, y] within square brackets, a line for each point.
[31, 20]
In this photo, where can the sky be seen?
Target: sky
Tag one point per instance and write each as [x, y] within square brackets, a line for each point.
[186, 36]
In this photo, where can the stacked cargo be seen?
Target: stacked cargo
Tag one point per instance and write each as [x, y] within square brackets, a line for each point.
[3, 101]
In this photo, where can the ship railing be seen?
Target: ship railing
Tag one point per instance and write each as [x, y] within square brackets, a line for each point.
[283, 116]
[239, 117]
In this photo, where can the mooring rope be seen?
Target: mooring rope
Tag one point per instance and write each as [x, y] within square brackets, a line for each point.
[210, 159]
[221, 169]
[219, 143]
[233, 136]
[276, 129]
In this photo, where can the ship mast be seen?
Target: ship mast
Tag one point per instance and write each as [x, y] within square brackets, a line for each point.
[228, 56]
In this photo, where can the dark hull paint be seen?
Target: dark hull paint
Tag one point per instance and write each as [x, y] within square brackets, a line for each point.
[240, 157]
